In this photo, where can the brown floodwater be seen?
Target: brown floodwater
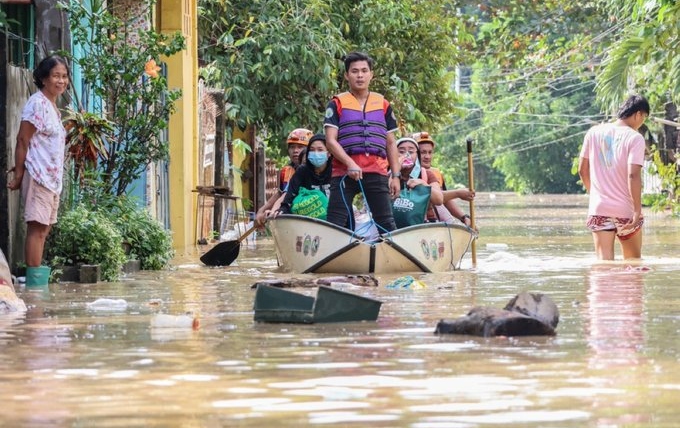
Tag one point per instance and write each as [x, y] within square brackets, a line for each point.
[615, 360]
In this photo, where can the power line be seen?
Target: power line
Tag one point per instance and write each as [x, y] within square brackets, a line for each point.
[523, 149]
[501, 115]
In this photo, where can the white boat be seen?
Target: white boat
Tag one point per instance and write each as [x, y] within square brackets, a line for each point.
[309, 245]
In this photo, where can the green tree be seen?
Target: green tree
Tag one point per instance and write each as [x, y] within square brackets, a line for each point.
[646, 53]
[646, 58]
[531, 95]
[276, 60]
[119, 65]
[280, 62]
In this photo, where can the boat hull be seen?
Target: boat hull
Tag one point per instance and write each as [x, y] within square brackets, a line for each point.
[308, 245]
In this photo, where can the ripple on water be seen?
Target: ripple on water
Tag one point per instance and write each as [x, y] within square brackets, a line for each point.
[520, 417]
[249, 402]
[348, 417]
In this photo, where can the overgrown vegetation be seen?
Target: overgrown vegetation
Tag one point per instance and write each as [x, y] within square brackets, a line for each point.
[148, 241]
[524, 79]
[84, 236]
[279, 62]
[108, 151]
[669, 182]
[119, 65]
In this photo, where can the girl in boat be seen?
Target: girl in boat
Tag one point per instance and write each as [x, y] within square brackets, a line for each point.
[313, 174]
[412, 175]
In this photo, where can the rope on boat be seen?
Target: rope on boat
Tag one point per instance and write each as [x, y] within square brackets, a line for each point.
[366, 227]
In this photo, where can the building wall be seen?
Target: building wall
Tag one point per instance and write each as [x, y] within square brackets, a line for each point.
[17, 94]
[51, 33]
[181, 15]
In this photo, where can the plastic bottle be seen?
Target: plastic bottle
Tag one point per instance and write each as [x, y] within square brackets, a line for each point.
[174, 321]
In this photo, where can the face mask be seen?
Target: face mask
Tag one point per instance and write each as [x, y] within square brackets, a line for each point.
[407, 162]
[317, 158]
[415, 172]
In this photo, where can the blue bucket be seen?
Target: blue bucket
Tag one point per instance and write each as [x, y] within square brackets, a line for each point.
[37, 276]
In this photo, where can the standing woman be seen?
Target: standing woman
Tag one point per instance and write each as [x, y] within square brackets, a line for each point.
[39, 155]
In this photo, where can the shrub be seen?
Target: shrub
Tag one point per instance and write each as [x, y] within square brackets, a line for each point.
[83, 236]
[150, 243]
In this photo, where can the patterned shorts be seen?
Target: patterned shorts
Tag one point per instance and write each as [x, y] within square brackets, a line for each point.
[622, 226]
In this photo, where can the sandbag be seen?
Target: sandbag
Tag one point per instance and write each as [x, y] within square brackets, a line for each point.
[5, 274]
[9, 301]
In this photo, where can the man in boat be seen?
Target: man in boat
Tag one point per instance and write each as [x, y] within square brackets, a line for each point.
[297, 141]
[610, 166]
[449, 209]
[359, 127]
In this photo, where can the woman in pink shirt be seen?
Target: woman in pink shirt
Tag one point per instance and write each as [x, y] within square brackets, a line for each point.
[39, 155]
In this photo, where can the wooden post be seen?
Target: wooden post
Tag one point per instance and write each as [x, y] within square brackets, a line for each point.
[471, 185]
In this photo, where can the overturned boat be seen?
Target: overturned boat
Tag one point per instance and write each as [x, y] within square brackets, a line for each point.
[309, 245]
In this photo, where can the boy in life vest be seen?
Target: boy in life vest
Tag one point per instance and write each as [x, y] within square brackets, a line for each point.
[448, 210]
[297, 141]
[359, 127]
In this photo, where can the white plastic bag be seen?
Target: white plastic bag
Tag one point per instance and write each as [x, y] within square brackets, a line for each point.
[365, 227]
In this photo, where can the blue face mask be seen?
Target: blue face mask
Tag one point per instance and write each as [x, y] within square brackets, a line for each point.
[415, 172]
[317, 158]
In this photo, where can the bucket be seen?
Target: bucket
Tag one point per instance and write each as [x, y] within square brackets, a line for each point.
[37, 276]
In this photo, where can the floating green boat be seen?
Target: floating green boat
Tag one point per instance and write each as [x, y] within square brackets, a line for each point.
[274, 304]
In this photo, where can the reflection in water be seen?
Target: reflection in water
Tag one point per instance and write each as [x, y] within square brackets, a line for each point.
[615, 315]
[68, 364]
[616, 336]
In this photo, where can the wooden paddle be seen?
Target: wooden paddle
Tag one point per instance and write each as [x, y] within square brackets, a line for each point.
[224, 253]
[471, 182]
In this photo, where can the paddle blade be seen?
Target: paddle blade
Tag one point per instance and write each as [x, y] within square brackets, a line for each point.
[222, 254]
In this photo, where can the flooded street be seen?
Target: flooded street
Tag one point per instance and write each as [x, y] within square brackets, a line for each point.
[614, 362]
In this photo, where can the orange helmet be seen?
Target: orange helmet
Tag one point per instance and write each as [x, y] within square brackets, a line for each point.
[423, 137]
[299, 136]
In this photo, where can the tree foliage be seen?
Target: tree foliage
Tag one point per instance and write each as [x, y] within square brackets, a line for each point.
[542, 72]
[646, 53]
[118, 65]
[531, 96]
[280, 62]
[276, 60]
[4, 22]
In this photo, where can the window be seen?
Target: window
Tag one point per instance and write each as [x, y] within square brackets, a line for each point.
[21, 32]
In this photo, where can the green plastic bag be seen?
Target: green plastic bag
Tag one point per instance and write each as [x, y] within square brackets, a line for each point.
[411, 206]
[310, 203]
